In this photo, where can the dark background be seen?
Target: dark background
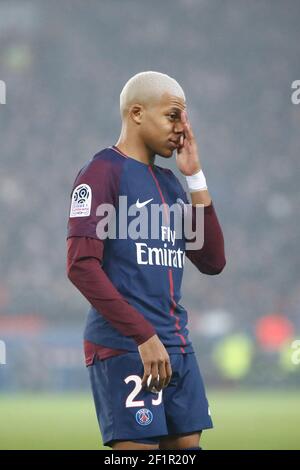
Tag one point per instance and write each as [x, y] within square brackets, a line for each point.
[64, 64]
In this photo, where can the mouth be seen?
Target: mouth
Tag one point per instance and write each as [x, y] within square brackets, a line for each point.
[173, 144]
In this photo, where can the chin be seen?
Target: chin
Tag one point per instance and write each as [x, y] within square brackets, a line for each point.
[166, 153]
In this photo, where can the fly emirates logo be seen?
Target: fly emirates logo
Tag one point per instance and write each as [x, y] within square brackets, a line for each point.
[143, 221]
[161, 256]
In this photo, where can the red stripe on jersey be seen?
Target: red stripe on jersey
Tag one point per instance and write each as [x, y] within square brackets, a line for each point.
[173, 303]
[173, 306]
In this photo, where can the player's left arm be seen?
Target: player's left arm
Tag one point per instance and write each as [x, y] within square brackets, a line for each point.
[210, 259]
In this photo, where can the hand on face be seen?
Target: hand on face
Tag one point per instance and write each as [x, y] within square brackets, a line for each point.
[187, 157]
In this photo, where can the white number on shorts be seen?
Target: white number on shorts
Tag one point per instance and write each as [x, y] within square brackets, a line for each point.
[158, 399]
[138, 387]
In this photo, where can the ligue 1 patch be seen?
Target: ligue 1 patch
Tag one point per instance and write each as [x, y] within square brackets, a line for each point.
[144, 417]
[81, 201]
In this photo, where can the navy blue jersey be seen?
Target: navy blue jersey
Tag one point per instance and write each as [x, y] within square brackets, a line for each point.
[147, 272]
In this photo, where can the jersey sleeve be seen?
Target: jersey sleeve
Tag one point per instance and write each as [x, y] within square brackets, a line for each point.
[84, 270]
[97, 183]
[210, 259]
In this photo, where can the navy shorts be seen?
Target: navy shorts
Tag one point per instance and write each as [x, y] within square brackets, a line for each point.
[126, 412]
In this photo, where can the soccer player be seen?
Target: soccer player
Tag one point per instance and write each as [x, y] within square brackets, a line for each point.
[146, 383]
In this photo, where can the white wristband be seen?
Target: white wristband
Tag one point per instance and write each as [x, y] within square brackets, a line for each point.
[196, 182]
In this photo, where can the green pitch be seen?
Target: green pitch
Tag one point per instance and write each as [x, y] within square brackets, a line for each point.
[252, 420]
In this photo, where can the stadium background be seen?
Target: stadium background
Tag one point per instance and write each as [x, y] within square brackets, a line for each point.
[64, 64]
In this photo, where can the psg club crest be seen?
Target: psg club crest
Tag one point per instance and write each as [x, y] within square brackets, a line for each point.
[144, 417]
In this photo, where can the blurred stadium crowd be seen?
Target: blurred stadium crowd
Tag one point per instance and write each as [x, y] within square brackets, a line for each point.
[64, 64]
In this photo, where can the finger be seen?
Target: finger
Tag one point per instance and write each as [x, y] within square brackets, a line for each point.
[179, 145]
[147, 371]
[153, 383]
[162, 383]
[169, 372]
[187, 126]
[152, 388]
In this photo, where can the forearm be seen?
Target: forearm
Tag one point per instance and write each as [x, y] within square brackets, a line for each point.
[210, 259]
[201, 197]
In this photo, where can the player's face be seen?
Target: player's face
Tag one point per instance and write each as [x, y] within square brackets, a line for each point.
[162, 125]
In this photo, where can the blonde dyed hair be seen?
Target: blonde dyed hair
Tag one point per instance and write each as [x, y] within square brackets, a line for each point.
[146, 87]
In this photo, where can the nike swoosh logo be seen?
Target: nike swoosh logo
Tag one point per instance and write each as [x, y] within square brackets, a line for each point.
[142, 204]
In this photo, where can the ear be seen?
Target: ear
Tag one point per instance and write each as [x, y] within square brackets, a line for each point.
[136, 113]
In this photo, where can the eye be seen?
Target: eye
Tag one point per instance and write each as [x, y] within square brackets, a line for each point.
[173, 116]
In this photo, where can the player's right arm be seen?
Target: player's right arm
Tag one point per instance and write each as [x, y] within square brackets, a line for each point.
[99, 181]
[84, 271]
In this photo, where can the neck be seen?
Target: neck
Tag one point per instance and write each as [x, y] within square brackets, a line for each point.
[136, 150]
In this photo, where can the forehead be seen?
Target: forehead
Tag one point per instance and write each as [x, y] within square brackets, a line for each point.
[168, 101]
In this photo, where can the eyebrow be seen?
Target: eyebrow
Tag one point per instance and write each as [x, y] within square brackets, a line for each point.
[177, 110]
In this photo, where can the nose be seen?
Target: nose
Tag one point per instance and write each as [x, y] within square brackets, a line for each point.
[178, 128]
